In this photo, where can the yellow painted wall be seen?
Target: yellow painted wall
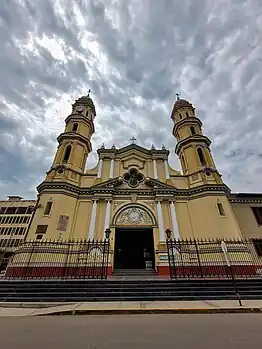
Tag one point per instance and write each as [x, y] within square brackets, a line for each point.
[207, 222]
[161, 170]
[62, 205]
[247, 220]
[166, 215]
[105, 169]
[82, 220]
[183, 219]
[100, 219]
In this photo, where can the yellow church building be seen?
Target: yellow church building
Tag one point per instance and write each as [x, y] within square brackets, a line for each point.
[136, 194]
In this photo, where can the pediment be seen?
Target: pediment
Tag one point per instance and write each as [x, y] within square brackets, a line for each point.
[111, 183]
[133, 160]
[148, 183]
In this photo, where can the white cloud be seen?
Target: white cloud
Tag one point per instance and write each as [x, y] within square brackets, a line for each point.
[134, 55]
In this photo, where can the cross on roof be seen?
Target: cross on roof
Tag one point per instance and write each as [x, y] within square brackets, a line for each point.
[177, 96]
[133, 139]
[88, 92]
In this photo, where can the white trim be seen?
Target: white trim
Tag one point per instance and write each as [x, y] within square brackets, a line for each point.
[166, 169]
[174, 220]
[160, 222]
[111, 172]
[92, 221]
[107, 216]
[155, 169]
[100, 164]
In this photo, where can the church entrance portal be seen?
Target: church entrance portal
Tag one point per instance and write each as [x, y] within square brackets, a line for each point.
[134, 248]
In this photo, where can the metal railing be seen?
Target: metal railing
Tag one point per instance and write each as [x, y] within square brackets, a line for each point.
[60, 259]
[213, 258]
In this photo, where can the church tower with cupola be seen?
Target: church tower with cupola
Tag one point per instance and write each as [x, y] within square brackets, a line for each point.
[74, 144]
[58, 193]
[193, 148]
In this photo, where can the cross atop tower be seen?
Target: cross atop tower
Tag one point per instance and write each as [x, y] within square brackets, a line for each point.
[88, 92]
[133, 139]
[177, 96]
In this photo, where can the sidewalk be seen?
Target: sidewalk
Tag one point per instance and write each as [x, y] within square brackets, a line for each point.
[157, 307]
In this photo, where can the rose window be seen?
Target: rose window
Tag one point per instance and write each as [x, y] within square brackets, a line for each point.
[133, 178]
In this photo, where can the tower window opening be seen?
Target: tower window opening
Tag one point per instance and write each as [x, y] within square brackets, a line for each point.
[187, 114]
[48, 207]
[180, 116]
[201, 156]
[67, 153]
[75, 127]
[193, 130]
[221, 209]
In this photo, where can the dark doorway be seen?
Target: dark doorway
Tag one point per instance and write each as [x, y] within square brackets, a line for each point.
[134, 248]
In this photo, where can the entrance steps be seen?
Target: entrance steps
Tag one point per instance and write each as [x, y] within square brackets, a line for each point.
[126, 290]
[134, 274]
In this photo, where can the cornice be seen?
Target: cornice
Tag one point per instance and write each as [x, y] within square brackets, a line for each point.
[74, 136]
[191, 139]
[188, 120]
[70, 189]
[245, 201]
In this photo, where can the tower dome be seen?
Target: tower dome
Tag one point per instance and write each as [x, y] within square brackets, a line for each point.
[86, 100]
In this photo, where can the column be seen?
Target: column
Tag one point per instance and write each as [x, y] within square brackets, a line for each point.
[160, 222]
[92, 221]
[155, 169]
[100, 165]
[174, 220]
[166, 169]
[111, 172]
[107, 216]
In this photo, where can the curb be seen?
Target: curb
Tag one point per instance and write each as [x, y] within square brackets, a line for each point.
[155, 311]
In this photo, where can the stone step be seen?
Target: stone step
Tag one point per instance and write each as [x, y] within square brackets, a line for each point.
[79, 290]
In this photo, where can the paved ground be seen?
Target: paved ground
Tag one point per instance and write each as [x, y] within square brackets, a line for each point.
[34, 309]
[216, 331]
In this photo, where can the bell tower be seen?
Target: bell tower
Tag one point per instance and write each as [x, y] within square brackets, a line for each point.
[193, 148]
[74, 144]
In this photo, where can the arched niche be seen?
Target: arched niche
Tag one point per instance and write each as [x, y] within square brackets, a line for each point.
[134, 215]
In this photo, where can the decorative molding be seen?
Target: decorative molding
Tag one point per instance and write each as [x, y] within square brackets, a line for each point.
[110, 187]
[150, 203]
[133, 161]
[133, 198]
[134, 216]
[245, 201]
[117, 203]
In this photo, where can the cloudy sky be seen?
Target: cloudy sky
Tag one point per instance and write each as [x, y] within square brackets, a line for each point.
[134, 55]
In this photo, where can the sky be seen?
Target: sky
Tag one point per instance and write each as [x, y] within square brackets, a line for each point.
[134, 55]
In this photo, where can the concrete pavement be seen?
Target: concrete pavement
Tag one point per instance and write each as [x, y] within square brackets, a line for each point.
[213, 306]
[183, 331]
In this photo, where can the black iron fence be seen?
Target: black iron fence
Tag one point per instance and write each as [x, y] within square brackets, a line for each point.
[217, 258]
[60, 259]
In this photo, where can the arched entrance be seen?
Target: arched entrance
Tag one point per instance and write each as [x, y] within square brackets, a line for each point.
[134, 241]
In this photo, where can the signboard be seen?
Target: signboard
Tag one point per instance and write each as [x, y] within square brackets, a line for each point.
[163, 257]
[63, 223]
[224, 249]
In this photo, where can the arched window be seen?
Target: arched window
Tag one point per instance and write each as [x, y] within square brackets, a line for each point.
[74, 128]
[183, 163]
[181, 117]
[201, 156]
[187, 114]
[67, 153]
[192, 129]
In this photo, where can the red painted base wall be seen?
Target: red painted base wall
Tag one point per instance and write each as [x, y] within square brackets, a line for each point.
[188, 272]
[57, 272]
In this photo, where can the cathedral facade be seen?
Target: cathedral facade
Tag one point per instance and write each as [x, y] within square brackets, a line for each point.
[136, 194]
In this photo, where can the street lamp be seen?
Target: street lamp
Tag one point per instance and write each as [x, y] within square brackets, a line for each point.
[168, 234]
[107, 233]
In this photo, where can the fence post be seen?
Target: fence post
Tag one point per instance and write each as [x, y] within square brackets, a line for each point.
[224, 249]
[198, 258]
